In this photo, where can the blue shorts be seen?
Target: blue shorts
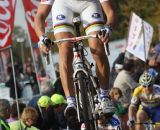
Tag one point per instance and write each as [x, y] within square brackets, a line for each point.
[153, 113]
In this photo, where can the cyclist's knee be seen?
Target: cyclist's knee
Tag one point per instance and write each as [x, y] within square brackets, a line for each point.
[62, 35]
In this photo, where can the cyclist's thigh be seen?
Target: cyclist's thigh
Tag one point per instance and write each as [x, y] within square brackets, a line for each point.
[62, 17]
[141, 115]
[92, 17]
[93, 21]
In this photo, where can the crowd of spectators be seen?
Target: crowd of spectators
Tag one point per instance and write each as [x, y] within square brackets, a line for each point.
[45, 113]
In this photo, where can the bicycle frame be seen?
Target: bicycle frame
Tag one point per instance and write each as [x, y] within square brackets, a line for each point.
[82, 66]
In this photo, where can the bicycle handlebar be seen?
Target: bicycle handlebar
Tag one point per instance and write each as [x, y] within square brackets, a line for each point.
[76, 39]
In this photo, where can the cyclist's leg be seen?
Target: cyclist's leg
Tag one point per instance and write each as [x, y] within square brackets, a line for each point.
[93, 22]
[63, 28]
[141, 117]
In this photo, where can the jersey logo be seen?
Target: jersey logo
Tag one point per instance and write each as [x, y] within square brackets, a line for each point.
[60, 17]
[96, 15]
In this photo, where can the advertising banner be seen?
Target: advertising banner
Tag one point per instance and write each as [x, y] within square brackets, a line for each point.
[7, 11]
[30, 7]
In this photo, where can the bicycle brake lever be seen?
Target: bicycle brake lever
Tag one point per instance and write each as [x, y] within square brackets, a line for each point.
[106, 47]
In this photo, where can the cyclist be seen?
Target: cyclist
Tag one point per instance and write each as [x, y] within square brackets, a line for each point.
[147, 95]
[94, 23]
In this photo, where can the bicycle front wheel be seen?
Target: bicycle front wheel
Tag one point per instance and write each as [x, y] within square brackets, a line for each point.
[84, 100]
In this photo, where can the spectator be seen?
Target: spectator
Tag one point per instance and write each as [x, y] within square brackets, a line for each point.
[28, 63]
[47, 88]
[138, 70]
[4, 114]
[117, 66]
[57, 84]
[121, 108]
[154, 63]
[10, 83]
[14, 111]
[28, 118]
[115, 95]
[59, 105]
[125, 82]
[33, 80]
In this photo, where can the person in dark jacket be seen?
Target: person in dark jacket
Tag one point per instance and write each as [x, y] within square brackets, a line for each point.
[59, 105]
[31, 75]
[10, 84]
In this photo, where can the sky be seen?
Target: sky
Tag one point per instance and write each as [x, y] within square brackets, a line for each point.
[19, 15]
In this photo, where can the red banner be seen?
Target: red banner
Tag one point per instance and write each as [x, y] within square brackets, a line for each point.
[30, 7]
[7, 10]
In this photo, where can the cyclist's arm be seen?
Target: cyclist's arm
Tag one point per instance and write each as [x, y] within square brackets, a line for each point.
[133, 107]
[109, 10]
[42, 13]
[132, 110]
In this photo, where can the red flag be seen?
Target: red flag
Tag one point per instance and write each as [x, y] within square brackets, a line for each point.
[7, 11]
[30, 7]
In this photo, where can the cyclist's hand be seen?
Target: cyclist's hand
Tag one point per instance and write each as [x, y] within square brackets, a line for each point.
[130, 123]
[105, 34]
[45, 44]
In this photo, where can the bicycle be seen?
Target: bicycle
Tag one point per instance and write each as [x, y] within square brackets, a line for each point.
[84, 82]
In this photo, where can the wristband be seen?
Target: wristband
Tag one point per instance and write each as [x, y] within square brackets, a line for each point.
[42, 37]
[109, 27]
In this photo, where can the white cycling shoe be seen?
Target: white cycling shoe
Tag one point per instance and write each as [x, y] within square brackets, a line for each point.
[107, 106]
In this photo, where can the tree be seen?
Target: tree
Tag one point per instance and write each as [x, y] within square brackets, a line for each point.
[148, 10]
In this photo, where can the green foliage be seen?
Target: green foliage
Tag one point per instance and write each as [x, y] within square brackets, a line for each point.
[148, 10]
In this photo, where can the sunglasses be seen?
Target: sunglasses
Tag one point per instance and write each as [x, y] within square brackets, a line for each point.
[147, 86]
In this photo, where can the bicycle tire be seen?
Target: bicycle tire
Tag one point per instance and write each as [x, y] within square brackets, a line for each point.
[91, 93]
[86, 108]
